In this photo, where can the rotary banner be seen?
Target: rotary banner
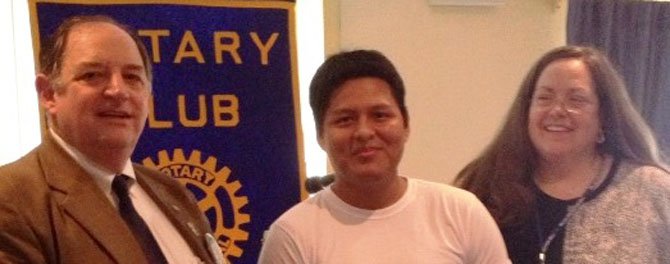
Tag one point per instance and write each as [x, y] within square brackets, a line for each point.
[224, 115]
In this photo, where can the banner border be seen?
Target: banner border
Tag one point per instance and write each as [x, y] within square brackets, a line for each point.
[289, 6]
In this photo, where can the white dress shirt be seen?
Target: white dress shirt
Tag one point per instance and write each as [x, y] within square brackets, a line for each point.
[173, 245]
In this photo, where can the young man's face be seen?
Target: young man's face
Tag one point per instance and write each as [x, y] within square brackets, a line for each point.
[364, 132]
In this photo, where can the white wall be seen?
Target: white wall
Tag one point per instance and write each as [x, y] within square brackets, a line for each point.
[309, 26]
[461, 67]
[19, 116]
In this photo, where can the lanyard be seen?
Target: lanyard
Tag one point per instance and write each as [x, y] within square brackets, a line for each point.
[597, 181]
[545, 245]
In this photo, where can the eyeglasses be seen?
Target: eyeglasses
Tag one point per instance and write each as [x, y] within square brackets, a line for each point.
[573, 104]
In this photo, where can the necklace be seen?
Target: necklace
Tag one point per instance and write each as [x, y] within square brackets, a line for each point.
[545, 245]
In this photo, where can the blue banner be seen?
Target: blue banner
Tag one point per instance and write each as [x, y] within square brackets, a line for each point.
[224, 117]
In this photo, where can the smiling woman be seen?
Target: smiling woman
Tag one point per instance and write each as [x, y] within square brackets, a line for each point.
[564, 119]
[575, 175]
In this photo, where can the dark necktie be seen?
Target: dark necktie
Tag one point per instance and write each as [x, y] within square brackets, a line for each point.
[135, 222]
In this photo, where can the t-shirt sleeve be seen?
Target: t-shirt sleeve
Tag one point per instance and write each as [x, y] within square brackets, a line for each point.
[484, 241]
[280, 247]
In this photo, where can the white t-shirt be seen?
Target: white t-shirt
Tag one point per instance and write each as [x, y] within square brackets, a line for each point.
[431, 223]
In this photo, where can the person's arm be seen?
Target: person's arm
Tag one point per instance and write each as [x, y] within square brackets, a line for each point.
[18, 242]
[485, 243]
[279, 247]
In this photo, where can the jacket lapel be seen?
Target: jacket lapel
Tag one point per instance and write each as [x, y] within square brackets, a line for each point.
[185, 223]
[79, 196]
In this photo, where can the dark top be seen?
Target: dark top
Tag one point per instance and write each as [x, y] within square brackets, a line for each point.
[525, 240]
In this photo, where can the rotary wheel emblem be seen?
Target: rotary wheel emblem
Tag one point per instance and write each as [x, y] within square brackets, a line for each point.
[216, 195]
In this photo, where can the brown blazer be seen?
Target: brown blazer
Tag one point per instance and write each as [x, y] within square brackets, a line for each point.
[51, 211]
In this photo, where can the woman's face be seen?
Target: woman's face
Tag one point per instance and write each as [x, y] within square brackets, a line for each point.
[563, 119]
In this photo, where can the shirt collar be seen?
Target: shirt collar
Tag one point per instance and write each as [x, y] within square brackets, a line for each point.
[102, 177]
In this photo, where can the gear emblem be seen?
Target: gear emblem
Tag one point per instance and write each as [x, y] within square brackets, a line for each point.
[216, 195]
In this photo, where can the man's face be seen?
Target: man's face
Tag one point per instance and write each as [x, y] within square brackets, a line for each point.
[364, 132]
[99, 100]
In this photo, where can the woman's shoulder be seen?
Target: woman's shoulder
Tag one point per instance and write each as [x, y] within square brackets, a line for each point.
[644, 176]
[643, 172]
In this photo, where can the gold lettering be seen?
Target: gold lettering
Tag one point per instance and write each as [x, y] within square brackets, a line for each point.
[209, 179]
[229, 111]
[153, 122]
[154, 34]
[185, 172]
[188, 40]
[264, 48]
[230, 47]
[175, 170]
[197, 174]
[202, 112]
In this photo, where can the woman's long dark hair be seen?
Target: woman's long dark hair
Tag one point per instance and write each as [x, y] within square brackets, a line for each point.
[501, 175]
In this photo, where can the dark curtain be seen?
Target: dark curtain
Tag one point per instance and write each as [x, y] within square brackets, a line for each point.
[636, 36]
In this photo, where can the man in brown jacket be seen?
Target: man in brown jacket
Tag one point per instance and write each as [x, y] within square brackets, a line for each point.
[70, 199]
